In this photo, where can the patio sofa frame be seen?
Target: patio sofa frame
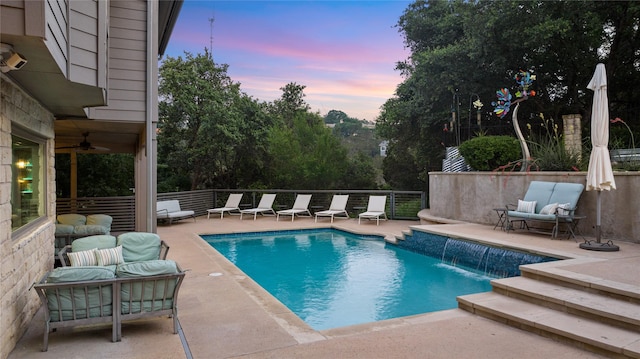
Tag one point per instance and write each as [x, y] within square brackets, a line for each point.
[108, 301]
[547, 193]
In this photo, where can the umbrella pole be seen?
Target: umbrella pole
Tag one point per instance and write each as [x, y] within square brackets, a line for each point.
[597, 245]
[598, 223]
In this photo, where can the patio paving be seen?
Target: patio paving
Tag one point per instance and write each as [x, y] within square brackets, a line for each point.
[224, 314]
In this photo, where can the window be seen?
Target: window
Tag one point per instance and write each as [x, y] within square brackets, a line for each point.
[28, 179]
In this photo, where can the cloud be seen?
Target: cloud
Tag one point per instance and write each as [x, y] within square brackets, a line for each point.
[344, 52]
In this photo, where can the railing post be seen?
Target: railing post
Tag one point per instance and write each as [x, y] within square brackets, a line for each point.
[392, 200]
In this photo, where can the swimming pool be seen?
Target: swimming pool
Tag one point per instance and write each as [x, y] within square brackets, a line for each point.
[331, 278]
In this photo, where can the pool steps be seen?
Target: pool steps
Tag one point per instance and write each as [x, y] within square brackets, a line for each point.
[596, 315]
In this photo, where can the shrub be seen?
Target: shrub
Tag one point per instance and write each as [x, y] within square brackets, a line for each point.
[549, 152]
[487, 153]
[551, 155]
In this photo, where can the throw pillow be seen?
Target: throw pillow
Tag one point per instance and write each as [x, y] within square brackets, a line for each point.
[549, 209]
[526, 206]
[109, 256]
[564, 209]
[83, 258]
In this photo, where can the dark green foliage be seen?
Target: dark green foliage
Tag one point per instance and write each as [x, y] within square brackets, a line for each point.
[468, 48]
[209, 131]
[360, 173]
[488, 153]
[408, 209]
[99, 175]
[305, 155]
[211, 135]
[335, 116]
[551, 155]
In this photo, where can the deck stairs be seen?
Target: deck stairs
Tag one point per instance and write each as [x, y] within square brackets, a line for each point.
[598, 316]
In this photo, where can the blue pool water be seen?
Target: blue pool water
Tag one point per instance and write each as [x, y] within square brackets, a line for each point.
[331, 278]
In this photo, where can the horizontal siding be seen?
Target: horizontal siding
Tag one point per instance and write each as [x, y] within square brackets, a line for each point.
[12, 19]
[127, 62]
[127, 55]
[56, 37]
[83, 35]
[130, 75]
[128, 34]
[117, 84]
[83, 58]
[127, 95]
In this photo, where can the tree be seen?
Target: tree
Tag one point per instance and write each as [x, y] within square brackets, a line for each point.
[460, 49]
[335, 117]
[207, 126]
[99, 175]
[305, 155]
[291, 103]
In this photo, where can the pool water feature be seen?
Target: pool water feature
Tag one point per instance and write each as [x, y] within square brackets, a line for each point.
[331, 278]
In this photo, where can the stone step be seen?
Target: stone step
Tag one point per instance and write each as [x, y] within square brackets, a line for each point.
[587, 333]
[594, 306]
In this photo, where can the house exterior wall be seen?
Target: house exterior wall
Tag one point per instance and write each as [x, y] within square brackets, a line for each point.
[472, 196]
[27, 257]
[127, 64]
[56, 36]
[82, 53]
[88, 42]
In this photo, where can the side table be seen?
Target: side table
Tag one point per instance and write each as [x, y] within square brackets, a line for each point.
[502, 217]
[571, 223]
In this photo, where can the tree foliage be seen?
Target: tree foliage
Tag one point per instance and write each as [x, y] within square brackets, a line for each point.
[207, 126]
[462, 49]
[100, 175]
[212, 135]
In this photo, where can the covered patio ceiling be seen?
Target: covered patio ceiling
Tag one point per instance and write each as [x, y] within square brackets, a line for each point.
[116, 136]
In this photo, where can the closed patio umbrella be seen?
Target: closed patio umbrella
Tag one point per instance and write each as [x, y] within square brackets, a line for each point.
[599, 175]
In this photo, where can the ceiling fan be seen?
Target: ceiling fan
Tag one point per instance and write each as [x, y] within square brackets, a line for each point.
[84, 145]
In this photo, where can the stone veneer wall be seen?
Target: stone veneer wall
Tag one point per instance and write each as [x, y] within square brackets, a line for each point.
[24, 259]
[471, 197]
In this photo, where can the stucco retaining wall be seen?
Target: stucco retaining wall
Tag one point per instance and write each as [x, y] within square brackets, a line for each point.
[472, 196]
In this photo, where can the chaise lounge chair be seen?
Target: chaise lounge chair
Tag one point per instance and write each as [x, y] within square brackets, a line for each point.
[232, 205]
[337, 207]
[265, 206]
[300, 206]
[375, 209]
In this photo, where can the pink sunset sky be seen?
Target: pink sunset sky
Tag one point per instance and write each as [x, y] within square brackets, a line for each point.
[344, 52]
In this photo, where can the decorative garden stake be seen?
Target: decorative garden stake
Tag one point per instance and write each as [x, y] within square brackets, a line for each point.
[524, 79]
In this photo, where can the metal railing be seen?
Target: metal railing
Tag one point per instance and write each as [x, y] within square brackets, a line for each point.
[400, 204]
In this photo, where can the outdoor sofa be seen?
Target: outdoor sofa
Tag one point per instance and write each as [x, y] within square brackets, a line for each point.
[72, 225]
[120, 282]
[547, 202]
[170, 210]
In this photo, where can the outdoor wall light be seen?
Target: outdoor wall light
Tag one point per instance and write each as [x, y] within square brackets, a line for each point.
[9, 59]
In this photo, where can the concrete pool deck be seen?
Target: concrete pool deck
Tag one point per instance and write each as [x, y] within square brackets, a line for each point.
[224, 314]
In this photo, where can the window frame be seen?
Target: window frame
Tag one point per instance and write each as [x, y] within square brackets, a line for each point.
[44, 178]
